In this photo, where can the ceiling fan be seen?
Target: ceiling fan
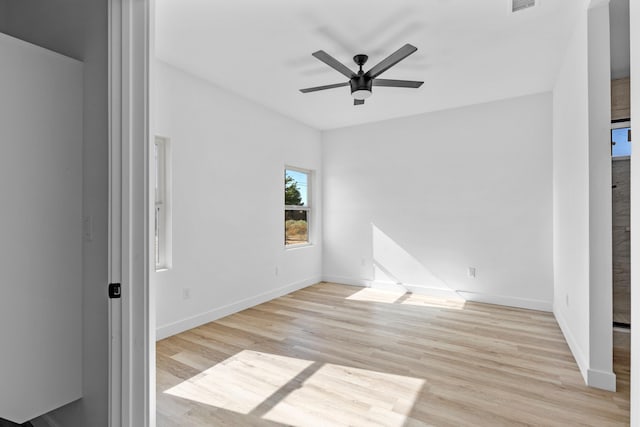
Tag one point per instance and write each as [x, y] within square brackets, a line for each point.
[361, 83]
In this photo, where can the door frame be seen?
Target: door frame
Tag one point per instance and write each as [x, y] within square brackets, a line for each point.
[131, 317]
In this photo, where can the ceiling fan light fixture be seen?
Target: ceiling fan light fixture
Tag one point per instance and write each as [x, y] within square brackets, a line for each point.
[361, 94]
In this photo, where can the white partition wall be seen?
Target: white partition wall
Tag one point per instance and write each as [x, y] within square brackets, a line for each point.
[582, 194]
[40, 230]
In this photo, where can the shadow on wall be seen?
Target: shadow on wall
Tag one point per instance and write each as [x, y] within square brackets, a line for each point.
[395, 268]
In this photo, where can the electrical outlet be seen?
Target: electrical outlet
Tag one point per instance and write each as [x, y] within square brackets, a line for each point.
[276, 270]
[363, 262]
[186, 293]
[567, 299]
[471, 272]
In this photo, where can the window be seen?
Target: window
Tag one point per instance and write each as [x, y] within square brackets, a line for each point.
[297, 211]
[621, 139]
[162, 210]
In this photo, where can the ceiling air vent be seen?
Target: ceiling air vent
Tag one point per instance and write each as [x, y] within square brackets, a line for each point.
[518, 5]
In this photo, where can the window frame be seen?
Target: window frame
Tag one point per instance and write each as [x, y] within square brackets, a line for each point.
[308, 208]
[162, 203]
[619, 124]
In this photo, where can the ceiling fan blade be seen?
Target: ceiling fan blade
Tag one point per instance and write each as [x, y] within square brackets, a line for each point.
[317, 88]
[358, 101]
[333, 63]
[391, 60]
[397, 83]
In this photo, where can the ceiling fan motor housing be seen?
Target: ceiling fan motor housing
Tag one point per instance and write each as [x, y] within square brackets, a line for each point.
[361, 86]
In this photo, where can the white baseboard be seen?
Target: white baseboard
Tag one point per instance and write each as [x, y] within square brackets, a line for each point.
[592, 377]
[530, 304]
[347, 281]
[578, 355]
[217, 313]
[601, 379]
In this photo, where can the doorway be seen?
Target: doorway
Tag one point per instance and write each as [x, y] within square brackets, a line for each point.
[621, 222]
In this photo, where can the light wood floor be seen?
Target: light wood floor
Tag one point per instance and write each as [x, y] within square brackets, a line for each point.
[333, 355]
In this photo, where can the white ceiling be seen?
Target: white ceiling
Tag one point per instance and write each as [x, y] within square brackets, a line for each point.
[469, 51]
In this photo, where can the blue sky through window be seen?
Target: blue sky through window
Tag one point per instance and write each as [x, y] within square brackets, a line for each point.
[301, 179]
[622, 146]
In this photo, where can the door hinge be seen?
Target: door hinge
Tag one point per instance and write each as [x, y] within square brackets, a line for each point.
[114, 290]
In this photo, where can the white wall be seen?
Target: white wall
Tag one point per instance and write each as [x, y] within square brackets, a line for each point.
[634, 13]
[418, 200]
[571, 195]
[41, 229]
[228, 158]
[582, 198]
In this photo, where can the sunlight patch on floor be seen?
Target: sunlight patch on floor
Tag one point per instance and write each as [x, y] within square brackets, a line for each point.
[376, 295]
[241, 382]
[373, 398]
[302, 392]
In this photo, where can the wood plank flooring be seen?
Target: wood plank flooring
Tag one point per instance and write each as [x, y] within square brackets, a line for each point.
[334, 355]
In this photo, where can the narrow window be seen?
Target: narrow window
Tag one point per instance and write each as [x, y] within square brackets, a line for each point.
[621, 139]
[297, 212]
[162, 204]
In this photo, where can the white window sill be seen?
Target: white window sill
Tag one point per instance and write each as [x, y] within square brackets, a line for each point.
[298, 246]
